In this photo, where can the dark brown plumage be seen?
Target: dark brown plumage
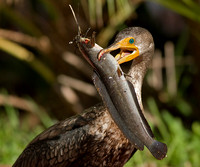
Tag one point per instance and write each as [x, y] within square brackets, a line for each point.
[89, 139]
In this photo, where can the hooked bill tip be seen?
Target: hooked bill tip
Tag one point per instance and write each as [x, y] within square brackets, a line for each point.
[100, 54]
[158, 150]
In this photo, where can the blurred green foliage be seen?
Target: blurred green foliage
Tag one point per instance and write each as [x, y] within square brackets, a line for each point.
[33, 40]
[183, 144]
[187, 8]
[16, 133]
[14, 137]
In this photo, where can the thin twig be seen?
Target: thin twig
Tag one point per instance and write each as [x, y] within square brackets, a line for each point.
[41, 43]
[76, 84]
[16, 102]
[78, 63]
[170, 68]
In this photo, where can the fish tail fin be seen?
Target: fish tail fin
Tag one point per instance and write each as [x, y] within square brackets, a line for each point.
[158, 149]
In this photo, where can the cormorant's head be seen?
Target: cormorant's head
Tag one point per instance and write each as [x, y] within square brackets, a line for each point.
[132, 42]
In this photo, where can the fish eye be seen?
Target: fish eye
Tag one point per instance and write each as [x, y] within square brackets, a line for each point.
[131, 41]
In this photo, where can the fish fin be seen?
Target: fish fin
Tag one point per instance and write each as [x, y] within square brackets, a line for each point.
[148, 128]
[158, 149]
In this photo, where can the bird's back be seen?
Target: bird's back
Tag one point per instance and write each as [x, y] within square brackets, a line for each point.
[89, 139]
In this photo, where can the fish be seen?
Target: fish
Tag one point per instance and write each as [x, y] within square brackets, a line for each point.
[118, 95]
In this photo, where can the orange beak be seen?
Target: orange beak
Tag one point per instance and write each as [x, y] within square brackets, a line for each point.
[128, 50]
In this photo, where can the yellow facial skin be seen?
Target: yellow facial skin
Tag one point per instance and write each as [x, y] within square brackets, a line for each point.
[128, 50]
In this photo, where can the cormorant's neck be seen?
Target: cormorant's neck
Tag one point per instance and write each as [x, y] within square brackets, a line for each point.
[137, 72]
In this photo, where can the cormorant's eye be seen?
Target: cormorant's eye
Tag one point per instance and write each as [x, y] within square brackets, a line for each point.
[131, 41]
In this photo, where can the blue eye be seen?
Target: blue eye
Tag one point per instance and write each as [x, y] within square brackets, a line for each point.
[131, 41]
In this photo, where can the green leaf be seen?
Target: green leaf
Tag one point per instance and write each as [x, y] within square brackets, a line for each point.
[23, 54]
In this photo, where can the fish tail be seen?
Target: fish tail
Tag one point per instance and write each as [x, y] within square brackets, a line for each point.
[158, 149]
